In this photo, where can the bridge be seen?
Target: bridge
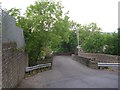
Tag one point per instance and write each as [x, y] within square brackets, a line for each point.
[67, 73]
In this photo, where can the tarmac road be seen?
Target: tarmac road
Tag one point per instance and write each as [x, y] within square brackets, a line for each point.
[67, 73]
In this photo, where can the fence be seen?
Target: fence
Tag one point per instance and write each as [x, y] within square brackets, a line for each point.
[109, 64]
[14, 63]
[13, 60]
[11, 33]
[28, 69]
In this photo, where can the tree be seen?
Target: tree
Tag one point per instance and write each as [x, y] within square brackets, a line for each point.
[47, 29]
[44, 27]
[14, 12]
[91, 38]
[111, 42]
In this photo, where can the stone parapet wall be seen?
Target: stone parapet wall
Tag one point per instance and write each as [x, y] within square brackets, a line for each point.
[101, 57]
[91, 59]
[86, 61]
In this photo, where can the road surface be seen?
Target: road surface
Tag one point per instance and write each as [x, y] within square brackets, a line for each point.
[67, 73]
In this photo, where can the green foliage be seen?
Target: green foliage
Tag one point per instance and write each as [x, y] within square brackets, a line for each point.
[111, 42]
[47, 29]
[92, 40]
[71, 44]
[14, 12]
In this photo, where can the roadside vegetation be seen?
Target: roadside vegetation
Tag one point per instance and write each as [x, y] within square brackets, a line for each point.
[47, 29]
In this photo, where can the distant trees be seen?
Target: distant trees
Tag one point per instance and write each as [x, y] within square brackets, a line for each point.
[95, 41]
[111, 42]
[91, 38]
[47, 29]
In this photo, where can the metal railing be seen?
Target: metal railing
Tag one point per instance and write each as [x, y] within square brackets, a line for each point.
[109, 64]
[28, 69]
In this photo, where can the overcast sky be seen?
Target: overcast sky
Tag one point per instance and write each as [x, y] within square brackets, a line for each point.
[102, 12]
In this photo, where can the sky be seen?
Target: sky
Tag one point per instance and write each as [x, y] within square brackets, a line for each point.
[102, 12]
